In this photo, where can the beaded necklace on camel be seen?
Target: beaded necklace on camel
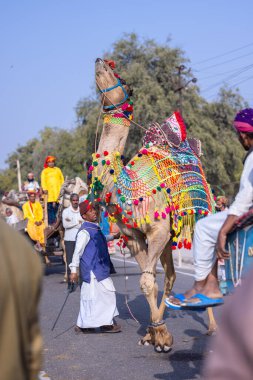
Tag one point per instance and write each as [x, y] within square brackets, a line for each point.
[171, 177]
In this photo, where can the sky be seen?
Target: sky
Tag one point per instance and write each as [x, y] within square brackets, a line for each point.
[48, 49]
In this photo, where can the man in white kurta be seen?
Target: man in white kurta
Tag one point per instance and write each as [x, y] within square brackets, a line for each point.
[71, 221]
[210, 233]
[98, 300]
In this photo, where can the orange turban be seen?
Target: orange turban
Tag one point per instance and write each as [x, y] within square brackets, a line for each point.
[49, 159]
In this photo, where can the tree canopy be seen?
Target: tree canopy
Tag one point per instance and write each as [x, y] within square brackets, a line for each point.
[151, 69]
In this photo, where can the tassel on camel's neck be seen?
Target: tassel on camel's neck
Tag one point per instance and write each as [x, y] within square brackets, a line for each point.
[115, 129]
[113, 140]
[114, 134]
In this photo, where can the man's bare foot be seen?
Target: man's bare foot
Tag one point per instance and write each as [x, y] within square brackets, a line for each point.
[208, 287]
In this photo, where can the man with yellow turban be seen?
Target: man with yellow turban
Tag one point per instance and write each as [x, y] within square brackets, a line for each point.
[51, 182]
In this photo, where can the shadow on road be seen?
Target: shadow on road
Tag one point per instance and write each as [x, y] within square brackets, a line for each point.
[187, 363]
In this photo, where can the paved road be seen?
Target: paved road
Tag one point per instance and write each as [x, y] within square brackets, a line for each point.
[118, 356]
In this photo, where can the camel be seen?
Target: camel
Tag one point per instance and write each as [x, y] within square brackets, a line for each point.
[13, 200]
[150, 236]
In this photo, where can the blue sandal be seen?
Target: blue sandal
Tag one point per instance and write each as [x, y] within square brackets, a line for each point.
[200, 304]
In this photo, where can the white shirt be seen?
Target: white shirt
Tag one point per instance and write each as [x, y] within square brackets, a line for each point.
[72, 221]
[82, 240]
[244, 198]
[31, 186]
[13, 219]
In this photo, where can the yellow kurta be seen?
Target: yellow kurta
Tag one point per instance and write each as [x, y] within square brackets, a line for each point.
[52, 180]
[34, 213]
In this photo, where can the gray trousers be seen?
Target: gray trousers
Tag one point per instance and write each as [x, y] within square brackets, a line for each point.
[69, 247]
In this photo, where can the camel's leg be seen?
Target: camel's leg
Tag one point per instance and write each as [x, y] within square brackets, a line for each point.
[139, 250]
[164, 339]
[160, 336]
[212, 327]
[170, 275]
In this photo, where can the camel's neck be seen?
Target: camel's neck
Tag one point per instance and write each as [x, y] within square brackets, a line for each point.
[114, 134]
[111, 145]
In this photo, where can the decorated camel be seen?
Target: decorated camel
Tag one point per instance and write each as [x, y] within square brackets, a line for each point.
[155, 199]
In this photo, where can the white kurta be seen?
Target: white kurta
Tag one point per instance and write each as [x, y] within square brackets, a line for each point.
[98, 298]
[207, 229]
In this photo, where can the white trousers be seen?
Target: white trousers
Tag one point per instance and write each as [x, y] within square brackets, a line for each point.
[97, 303]
[204, 242]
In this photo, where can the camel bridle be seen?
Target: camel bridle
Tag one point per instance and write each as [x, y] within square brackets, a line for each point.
[118, 84]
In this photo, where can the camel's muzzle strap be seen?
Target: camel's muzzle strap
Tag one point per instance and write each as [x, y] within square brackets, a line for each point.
[118, 84]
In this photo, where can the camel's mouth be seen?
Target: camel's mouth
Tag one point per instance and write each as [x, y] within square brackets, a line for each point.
[104, 75]
[101, 67]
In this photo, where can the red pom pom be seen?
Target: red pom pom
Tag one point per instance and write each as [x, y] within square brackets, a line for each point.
[106, 153]
[97, 155]
[119, 191]
[110, 63]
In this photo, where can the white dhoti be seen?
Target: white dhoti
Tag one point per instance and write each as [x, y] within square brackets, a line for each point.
[97, 303]
[204, 242]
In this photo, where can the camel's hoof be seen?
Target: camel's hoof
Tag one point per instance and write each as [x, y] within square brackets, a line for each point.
[167, 349]
[158, 349]
[143, 342]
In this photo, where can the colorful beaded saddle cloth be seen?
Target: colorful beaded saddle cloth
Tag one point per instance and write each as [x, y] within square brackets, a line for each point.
[168, 171]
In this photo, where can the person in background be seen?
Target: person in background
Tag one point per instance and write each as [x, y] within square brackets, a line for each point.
[20, 286]
[221, 203]
[10, 218]
[97, 300]
[71, 220]
[51, 182]
[30, 184]
[33, 211]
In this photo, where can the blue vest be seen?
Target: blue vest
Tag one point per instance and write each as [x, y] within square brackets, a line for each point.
[95, 256]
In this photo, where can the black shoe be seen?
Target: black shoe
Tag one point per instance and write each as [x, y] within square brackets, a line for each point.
[110, 329]
[79, 330]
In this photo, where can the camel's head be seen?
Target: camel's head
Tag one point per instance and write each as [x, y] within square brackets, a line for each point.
[114, 90]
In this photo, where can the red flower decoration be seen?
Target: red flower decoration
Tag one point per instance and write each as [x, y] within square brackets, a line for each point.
[110, 63]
